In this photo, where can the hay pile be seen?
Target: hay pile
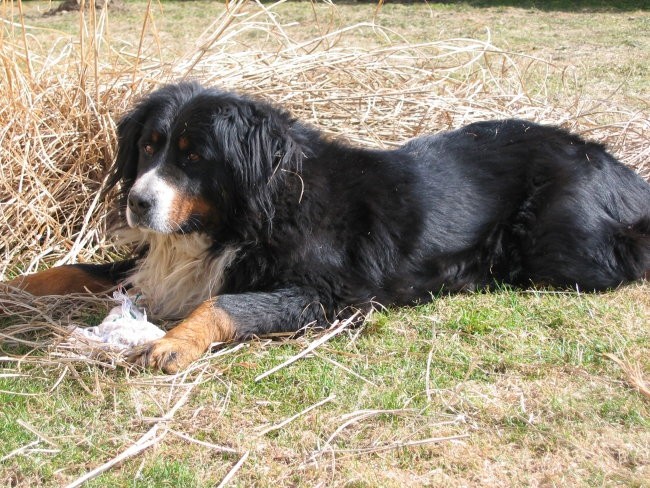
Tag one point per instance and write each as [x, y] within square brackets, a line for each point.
[59, 106]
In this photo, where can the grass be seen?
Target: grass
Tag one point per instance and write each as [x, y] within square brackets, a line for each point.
[533, 386]
[507, 388]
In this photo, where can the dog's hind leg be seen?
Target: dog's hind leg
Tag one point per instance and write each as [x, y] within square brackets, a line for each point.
[72, 278]
[581, 247]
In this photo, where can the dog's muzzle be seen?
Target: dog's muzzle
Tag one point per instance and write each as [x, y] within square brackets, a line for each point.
[149, 204]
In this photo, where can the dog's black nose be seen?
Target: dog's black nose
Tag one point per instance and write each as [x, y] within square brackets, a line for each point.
[139, 204]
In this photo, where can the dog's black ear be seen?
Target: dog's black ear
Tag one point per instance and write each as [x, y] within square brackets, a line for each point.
[260, 145]
[271, 147]
[129, 130]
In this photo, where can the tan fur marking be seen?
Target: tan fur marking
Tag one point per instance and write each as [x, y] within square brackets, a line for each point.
[207, 324]
[183, 143]
[61, 281]
[155, 136]
[182, 208]
[188, 341]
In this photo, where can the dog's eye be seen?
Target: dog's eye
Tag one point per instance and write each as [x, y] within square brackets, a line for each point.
[193, 157]
[148, 149]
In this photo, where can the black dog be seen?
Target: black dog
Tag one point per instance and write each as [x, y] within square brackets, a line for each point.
[251, 222]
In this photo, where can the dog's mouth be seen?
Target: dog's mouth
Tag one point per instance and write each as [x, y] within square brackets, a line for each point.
[183, 220]
[148, 220]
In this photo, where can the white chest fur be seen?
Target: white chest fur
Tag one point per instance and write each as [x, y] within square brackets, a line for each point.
[178, 273]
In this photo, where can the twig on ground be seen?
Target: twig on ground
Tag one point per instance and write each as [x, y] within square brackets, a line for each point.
[203, 443]
[427, 376]
[150, 438]
[41, 436]
[19, 450]
[633, 373]
[344, 368]
[337, 329]
[361, 415]
[299, 414]
[398, 445]
[234, 470]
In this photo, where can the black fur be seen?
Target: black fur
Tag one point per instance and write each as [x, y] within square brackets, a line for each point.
[323, 226]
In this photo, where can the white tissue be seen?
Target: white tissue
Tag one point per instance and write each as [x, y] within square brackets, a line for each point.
[124, 327]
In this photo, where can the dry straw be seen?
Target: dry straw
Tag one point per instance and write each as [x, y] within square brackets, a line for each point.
[59, 105]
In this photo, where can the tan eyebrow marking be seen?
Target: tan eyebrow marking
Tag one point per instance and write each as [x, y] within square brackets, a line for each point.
[183, 143]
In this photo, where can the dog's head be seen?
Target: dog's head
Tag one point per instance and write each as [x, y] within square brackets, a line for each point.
[197, 159]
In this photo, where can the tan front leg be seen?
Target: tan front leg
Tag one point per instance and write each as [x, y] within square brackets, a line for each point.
[186, 342]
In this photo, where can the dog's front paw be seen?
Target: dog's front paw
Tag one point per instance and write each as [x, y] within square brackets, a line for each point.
[170, 355]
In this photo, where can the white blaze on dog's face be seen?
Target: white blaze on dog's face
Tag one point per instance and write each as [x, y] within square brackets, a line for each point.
[166, 197]
[150, 203]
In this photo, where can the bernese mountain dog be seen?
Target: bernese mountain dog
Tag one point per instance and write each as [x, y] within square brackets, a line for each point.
[249, 222]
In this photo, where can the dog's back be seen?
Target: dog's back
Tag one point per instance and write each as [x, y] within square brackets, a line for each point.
[522, 203]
